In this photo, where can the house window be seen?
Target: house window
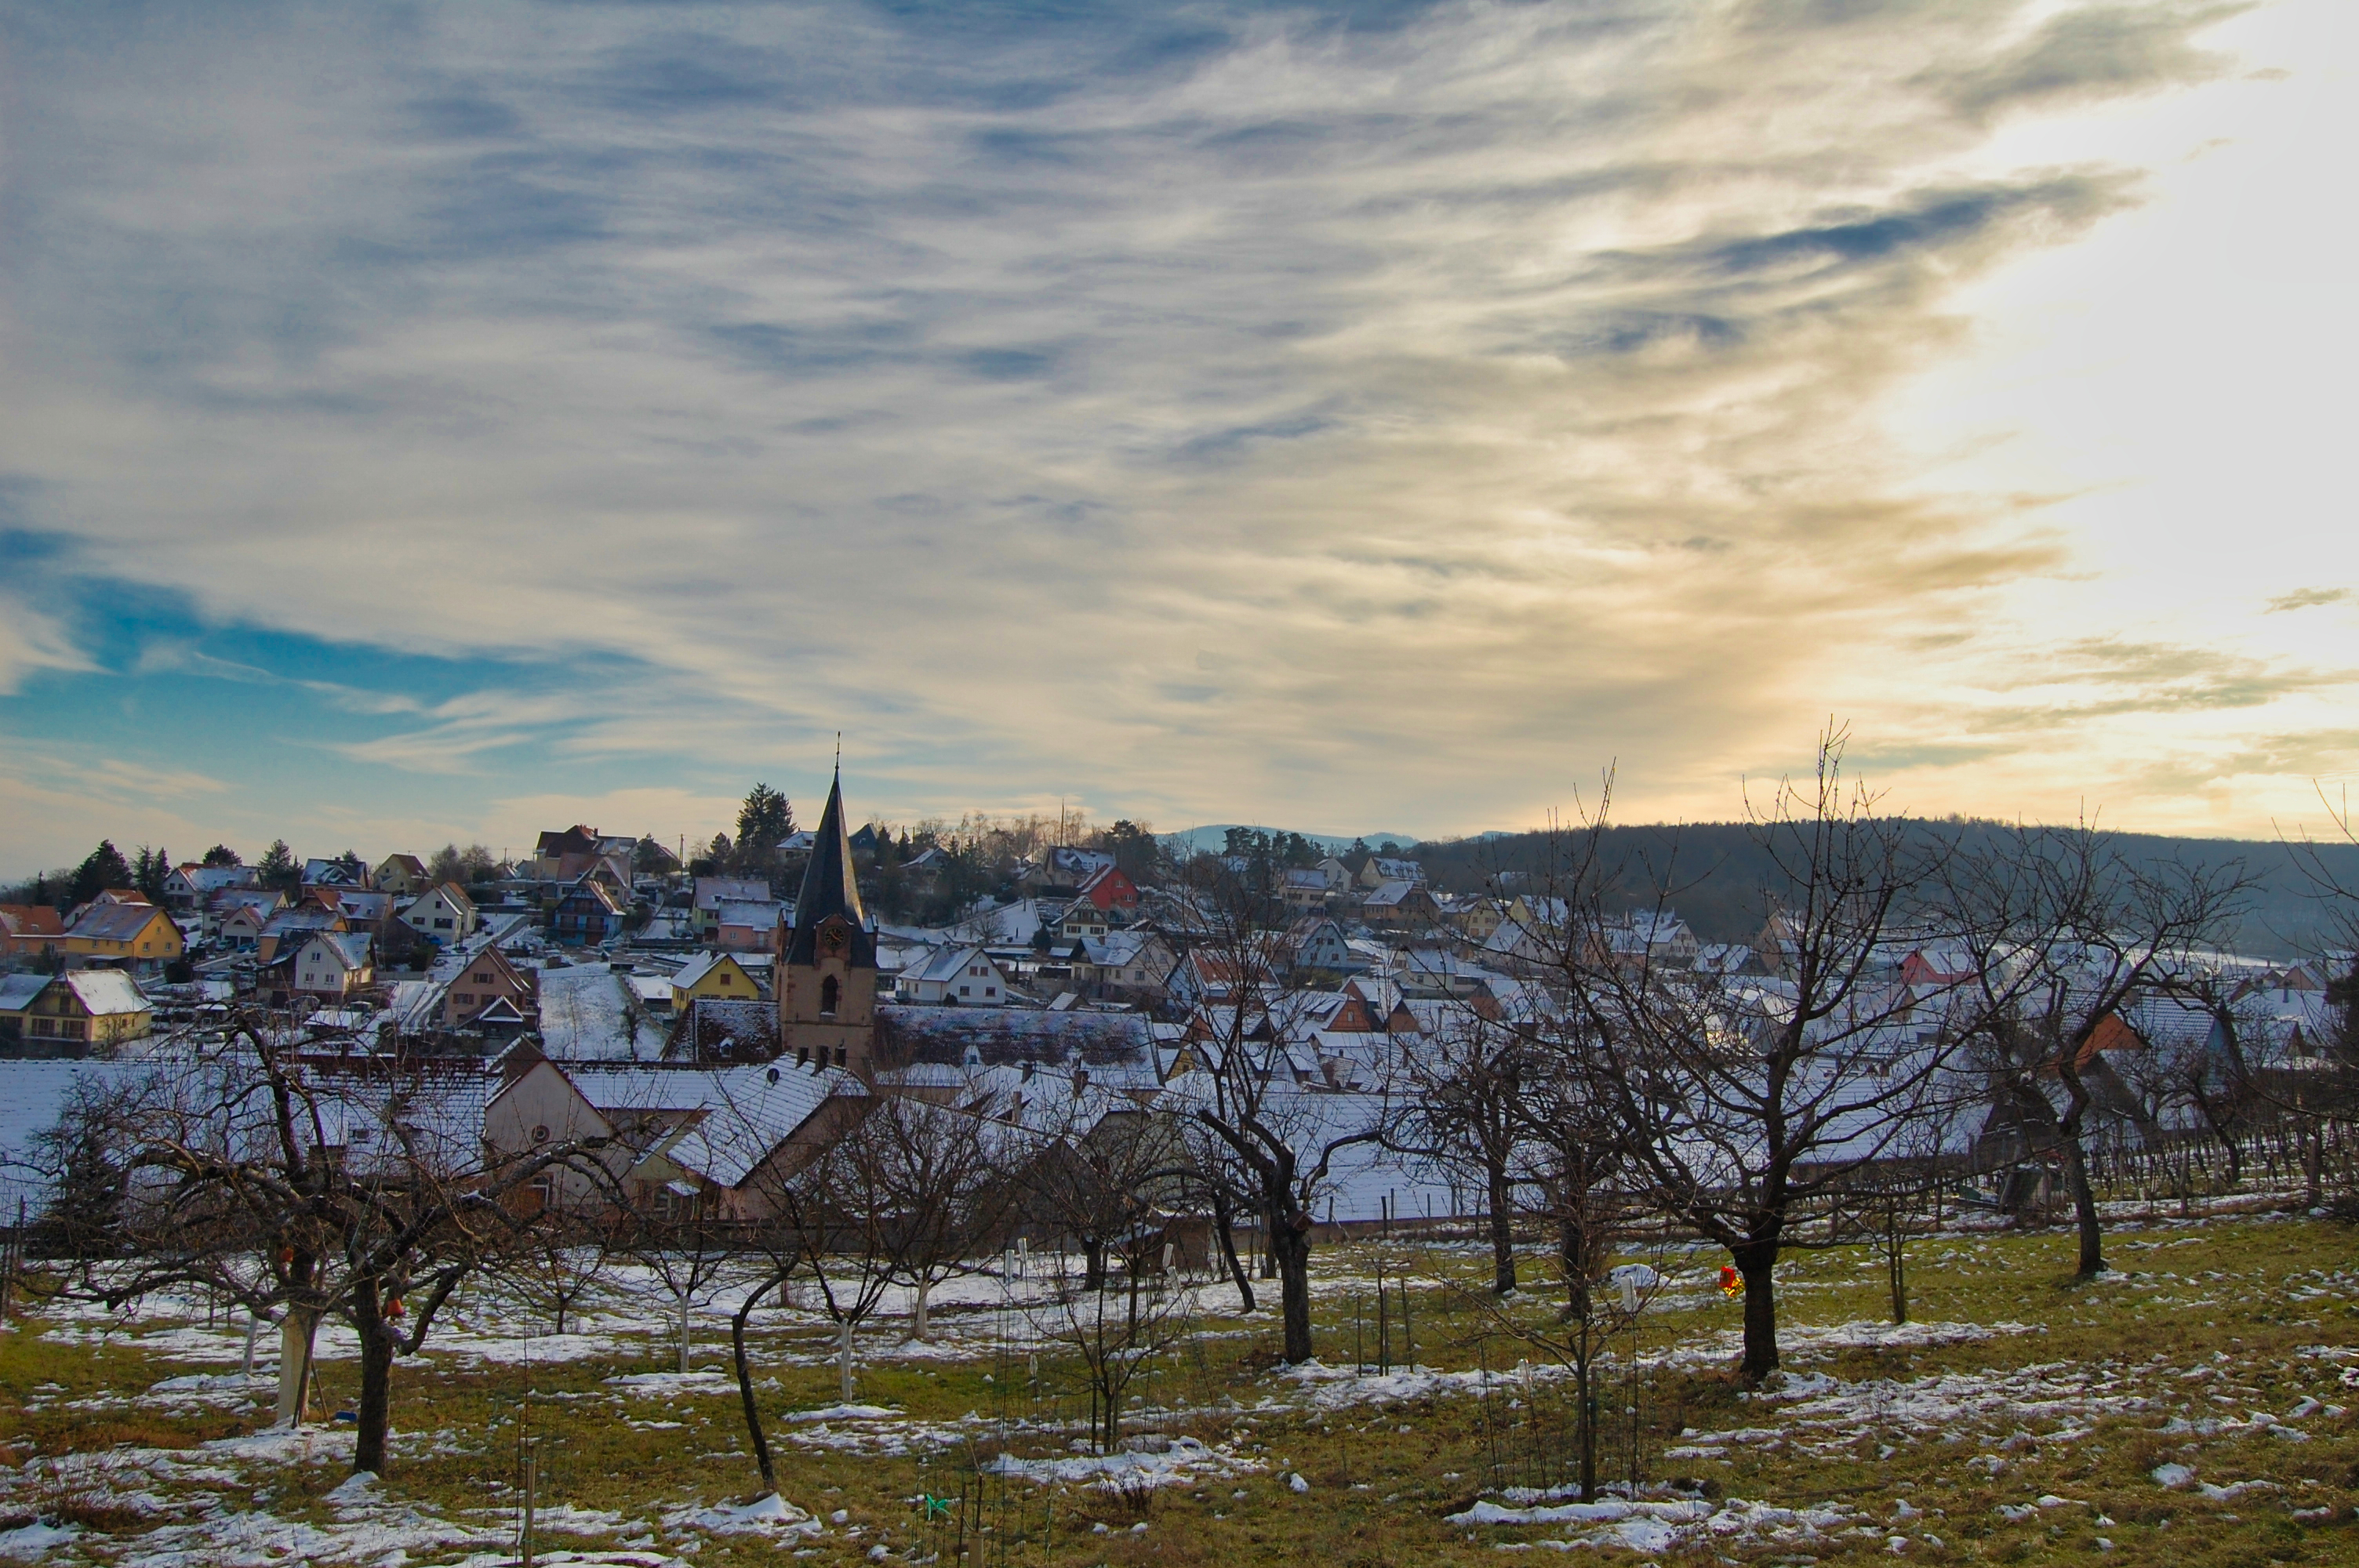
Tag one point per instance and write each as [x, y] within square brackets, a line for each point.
[991, 990]
[827, 992]
[966, 990]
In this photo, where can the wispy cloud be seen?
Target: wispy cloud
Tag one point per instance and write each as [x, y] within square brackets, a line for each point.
[1198, 409]
[2305, 598]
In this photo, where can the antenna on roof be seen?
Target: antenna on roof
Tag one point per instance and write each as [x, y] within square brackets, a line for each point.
[839, 753]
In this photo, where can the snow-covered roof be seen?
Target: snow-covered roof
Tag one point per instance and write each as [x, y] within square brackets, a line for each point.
[18, 991]
[713, 892]
[585, 1015]
[946, 964]
[696, 968]
[104, 992]
[114, 922]
[349, 949]
[758, 916]
[746, 1111]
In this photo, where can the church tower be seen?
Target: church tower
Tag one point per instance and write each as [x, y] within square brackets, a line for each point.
[826, 968]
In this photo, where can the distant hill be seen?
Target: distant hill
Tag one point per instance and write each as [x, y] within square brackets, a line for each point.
[1217, 837]
[1717, 873]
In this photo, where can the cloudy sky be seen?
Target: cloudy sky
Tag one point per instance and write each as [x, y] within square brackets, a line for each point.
[428, 421]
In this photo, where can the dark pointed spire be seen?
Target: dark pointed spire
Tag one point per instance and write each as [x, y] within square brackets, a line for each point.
[830, 887]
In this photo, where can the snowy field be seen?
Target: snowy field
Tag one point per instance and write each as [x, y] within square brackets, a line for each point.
[2192, 1405]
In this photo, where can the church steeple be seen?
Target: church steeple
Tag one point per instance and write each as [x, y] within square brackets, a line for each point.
[831, 886]
[827, 969]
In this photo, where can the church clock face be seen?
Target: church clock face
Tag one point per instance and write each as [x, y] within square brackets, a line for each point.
[831, 941]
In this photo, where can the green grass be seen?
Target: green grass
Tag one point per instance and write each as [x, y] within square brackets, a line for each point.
[1379, 1494]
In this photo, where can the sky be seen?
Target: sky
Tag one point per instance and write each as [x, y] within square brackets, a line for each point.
[431, 422]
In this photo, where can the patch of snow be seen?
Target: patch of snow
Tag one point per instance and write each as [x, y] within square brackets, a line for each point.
[29, 1541]
[769, 1515]
[660, 1385]
[1186, 1459]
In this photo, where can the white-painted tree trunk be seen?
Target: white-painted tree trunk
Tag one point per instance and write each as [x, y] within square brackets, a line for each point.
[295, 1334]
[917, 1315]
[683, 1337]
[843, 1358]
[253, 1327]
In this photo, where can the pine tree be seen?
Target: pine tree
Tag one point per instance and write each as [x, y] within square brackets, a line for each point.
[222, 855]
[104, 868]
[278, 867]
[148, 874]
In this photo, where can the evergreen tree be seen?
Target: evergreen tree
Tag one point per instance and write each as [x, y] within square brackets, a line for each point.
[222, 855]
[763, 821]
[149, 875]
[279, 869]
[104, 868]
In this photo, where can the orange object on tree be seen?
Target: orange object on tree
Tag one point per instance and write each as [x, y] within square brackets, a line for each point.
[1731, 1283]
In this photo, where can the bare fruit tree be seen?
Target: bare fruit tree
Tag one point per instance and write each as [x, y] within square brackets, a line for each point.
[1465, 1104]
[1249, 1120]
[1746, 1101]
[2087, 934]
[303, 1188]
[1134, 1311]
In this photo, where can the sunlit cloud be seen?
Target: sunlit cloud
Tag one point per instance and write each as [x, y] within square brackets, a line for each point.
[1219, 414]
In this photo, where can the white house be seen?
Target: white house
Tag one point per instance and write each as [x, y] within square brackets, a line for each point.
[955, 976]
[334, 964]
[1382, 868]
[443, 914]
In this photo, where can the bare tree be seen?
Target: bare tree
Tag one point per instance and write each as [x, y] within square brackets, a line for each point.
[559, 1264]
[1104, 1169]
[1465, 1107]
[1121, 1322]
[301, 1189]
[845, 1206]
[2089, 932]
[1245, 1111]
[2321, 1093]
[1746, 1101]
[689, 1248]
[1575, 1135]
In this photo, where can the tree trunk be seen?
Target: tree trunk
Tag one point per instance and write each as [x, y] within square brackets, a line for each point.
[745, 1385]
[1290, 1244]
[1896, 1263]
[294, 1332]
[843, 1358]
[253, 1326]
[1586, 1426]
[1503, 1233]
[2085, 1207]
[918, 1312]
[376, 1378]
[683, 1335]
[1228, 1239]
[1757, 1262]
[1094, 1260]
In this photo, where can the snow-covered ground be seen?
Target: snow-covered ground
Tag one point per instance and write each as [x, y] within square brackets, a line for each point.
[1993, 1398]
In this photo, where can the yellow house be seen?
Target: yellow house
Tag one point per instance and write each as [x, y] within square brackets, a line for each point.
[137, 932]
[72, 1012]
[716, 975]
